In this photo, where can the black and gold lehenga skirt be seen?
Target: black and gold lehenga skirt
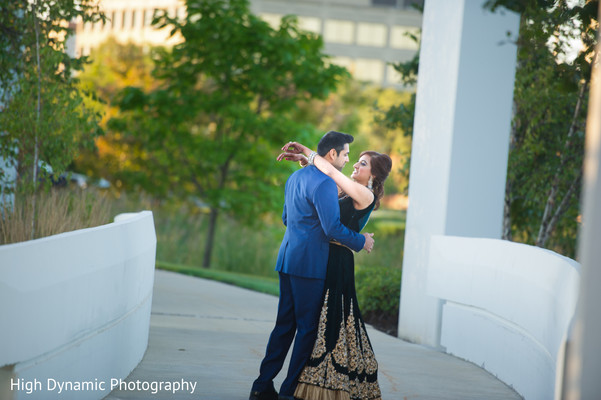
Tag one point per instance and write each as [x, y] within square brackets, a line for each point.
[342, 365]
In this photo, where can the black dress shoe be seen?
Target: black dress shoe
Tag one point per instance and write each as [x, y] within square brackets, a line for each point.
[268, 395]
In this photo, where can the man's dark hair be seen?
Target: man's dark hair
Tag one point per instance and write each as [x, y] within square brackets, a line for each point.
[333, 140]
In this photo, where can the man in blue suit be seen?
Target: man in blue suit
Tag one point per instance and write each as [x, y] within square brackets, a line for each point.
[312, 218]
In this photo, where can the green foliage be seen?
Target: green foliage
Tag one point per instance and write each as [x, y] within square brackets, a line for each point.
[378, 289]
[180, 227]
[395, 120]
[550, 103]
[113, 66]
[351, 109]
[211, 129]
[44, 121]
[43, 116]
[57, 129]
[243, 249]
[388, 227]
[238, 247]
[394, 140]
[400, 116]
[339, 111]
[18, 20]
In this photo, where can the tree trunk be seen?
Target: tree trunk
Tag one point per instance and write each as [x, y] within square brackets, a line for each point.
[551, 214]
[507, 212]
[38, 116]
[549, 226]
[206, 262]
[543, 230]
[506, 235]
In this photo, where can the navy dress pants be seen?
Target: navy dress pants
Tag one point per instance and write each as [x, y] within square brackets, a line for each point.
[298, 313]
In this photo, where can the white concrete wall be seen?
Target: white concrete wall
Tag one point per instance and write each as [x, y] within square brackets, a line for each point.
[460, 143]
[507, 307]
[76, 306]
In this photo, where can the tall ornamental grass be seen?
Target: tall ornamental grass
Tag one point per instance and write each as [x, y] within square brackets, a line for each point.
[57, 210]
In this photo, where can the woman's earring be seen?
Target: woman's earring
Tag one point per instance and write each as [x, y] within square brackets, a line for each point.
[370, 183]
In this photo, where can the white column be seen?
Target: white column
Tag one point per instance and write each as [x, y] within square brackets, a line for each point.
[460, 143]
[583, 359]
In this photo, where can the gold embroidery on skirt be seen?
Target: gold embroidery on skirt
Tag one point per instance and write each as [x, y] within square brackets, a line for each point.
[334, 379]
[371, 365]
[341, 350]
[325, 375]
[352, 352]
[320, 343]
[353, 343]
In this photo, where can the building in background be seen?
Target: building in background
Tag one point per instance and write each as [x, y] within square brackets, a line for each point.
[127, 21]
[364, 36]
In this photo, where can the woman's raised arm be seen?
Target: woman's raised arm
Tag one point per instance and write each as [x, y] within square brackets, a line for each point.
[361, 195]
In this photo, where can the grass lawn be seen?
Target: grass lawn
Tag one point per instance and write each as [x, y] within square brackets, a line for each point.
[252, 282]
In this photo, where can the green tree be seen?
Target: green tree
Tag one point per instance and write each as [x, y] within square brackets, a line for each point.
[395, 121]
[351, 109]
[547, 135]
[43, 119]
[113, 66]
[210, 131]
[400, 116]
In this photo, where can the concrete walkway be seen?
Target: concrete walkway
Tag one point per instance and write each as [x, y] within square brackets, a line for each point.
[214, 335]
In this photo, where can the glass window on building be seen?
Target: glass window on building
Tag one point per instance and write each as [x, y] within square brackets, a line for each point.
[134, 14]
[371, 34]
[398, 3]
[387, 3]
[371, 70]
[392, 75]
[400, 40]
[272, 19]
[338, 31]
[113, 19]
[310, 24]
[181, 13]
[146, 17]
[345, 62]
[123, 17]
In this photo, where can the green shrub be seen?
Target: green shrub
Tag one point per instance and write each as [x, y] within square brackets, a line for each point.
[378, 289]
[388, 228]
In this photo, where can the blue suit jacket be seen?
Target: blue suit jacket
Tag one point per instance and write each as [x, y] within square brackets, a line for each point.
[312, 218]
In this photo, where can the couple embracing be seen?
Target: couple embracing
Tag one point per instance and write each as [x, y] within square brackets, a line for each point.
[324, 211]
